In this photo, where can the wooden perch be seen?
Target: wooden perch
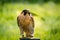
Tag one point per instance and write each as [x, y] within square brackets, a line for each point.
[29, 39]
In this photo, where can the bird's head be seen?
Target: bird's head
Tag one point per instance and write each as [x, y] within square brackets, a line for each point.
[25, 11]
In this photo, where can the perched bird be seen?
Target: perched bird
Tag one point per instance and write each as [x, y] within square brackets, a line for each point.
[25, 23]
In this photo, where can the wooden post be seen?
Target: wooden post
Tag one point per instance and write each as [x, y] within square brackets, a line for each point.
[29, 39]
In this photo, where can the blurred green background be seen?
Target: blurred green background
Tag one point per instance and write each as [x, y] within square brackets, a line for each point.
[46, 16]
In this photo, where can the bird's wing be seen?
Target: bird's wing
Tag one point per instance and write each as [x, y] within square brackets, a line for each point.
[32, 21]
[18, 20]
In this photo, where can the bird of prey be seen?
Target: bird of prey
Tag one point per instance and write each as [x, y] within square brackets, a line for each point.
[25, 23]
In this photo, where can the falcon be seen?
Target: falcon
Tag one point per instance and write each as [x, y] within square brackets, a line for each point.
[25, 23]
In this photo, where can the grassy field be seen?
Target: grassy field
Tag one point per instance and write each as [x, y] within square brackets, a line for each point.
[46, 17]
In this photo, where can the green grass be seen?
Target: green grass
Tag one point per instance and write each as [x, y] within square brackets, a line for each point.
[47, 21]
